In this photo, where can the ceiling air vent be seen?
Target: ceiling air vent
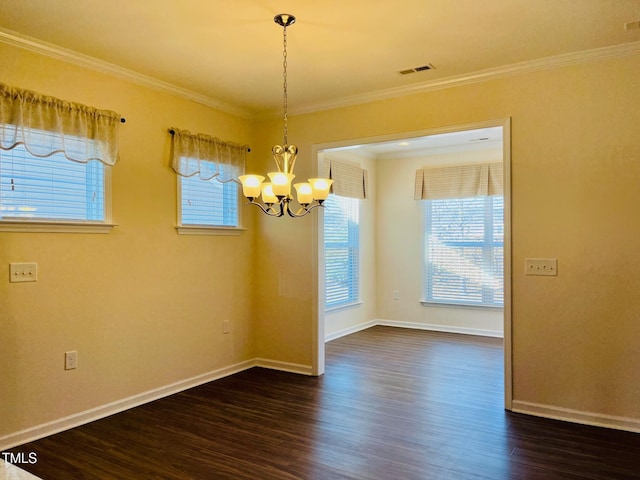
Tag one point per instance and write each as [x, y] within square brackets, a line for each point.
[421, 68]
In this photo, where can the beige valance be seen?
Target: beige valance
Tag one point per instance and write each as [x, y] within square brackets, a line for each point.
[461, 181]
[208, 157]
[349, 179]
[47, 125]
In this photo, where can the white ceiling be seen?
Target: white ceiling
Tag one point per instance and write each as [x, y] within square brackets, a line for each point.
[231, 52]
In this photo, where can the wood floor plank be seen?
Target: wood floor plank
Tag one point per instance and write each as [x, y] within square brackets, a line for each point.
[394, 404]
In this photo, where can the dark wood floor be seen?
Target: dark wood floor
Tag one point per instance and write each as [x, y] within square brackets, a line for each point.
[394, 404]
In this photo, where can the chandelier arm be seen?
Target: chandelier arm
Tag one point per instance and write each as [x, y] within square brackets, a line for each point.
[304, 210]
[268, 210]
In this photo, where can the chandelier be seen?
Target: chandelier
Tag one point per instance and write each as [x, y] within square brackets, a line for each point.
[276, 194]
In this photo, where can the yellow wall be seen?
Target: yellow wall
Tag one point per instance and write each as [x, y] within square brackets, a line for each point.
[142, 305]
[285, 282]
[575, 179]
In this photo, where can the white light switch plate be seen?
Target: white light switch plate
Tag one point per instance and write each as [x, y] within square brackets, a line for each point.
[541, 266]
[23, 272]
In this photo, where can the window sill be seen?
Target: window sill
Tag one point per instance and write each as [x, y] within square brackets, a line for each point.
[343, 307]
[431, 303]
[54, 227]
[204, 230]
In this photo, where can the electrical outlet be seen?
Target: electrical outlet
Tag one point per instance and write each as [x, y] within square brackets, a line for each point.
[23, 272]
[225, 326]
[396, 295]
[70, 360]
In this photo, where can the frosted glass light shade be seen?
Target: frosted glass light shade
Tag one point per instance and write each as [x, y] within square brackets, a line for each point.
[251, 185]
[267, 193]
[320, 187]
[281, 183]
[304, 192]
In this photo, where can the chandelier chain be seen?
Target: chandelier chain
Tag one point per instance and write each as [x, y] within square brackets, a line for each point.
[284, 78]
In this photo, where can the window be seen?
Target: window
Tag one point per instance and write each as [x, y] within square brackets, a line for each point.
[342, 251]
[55, 159]
[208, 202]
[52, 188]
[208, 170]
[464, 251]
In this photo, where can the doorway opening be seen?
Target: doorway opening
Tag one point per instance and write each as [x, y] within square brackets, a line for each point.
[392, 268]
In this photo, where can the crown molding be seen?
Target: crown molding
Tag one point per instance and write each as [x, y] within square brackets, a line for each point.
[61, 53]
[54, 51]
[557, 61]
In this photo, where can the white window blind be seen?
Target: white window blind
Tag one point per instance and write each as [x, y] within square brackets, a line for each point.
[342, 251]
[208, 202]
[464, 251]
[50, 188]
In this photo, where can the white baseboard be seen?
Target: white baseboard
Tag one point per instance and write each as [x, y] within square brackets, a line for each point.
[440, 328]
[577, 416]
[415, 326]
[283, 366]
[350, 330]
[81, 418]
